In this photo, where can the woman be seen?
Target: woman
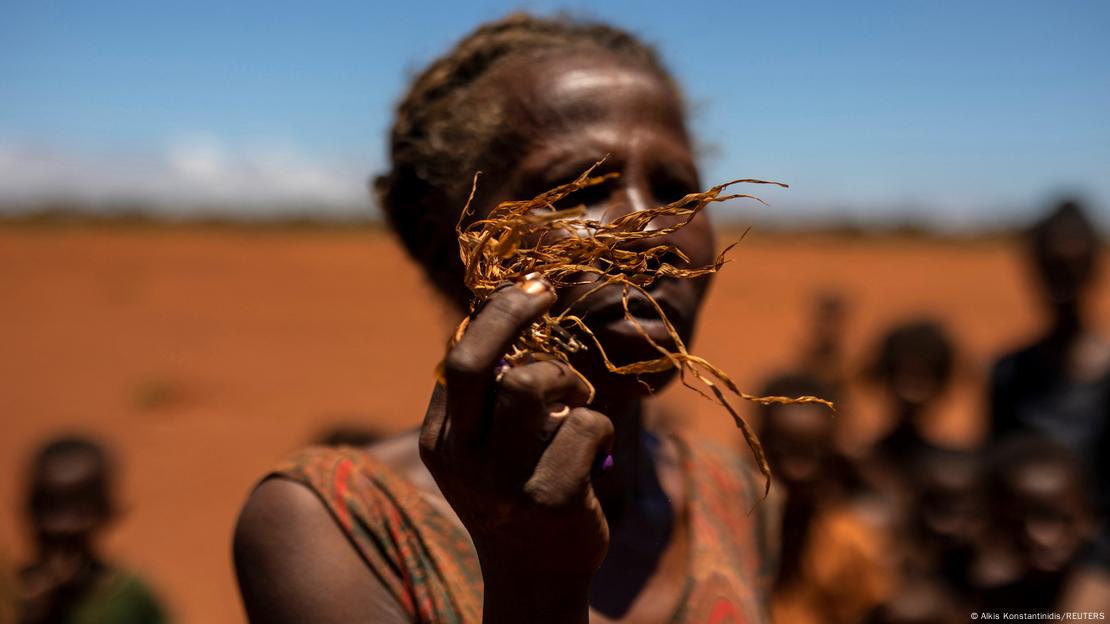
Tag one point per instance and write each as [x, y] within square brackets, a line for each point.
[499, 509]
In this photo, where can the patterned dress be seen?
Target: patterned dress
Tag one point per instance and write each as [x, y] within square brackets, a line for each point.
[427, 561]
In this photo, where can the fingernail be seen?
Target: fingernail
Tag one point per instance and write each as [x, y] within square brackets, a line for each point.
[555, 417]
[533, 287]
[534, 284]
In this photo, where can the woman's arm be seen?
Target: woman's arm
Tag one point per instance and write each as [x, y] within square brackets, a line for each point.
[295, 565]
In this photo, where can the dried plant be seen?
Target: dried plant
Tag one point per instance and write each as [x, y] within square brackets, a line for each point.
[518, 238]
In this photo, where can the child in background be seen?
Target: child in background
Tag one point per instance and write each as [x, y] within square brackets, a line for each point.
[834, 567]
[70, 502]
[948, 517]
[936, 541]
[1059, 386]
[914, 365]
[1038, 494]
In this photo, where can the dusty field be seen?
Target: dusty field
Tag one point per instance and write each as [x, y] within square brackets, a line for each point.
[203, 355]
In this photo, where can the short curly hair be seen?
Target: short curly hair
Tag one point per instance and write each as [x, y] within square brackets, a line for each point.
[442, 135]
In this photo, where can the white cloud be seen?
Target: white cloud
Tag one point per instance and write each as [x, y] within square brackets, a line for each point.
[199, 161]
[191, 173]
[251, 180]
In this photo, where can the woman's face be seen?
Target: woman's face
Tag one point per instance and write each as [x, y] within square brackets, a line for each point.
[565, 112]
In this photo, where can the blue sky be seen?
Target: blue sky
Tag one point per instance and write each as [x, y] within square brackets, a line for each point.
[958, 113]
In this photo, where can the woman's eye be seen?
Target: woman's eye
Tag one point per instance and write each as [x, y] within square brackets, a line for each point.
[668, 191]
[590, 196]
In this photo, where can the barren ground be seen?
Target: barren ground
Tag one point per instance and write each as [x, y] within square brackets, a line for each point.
[202, 355]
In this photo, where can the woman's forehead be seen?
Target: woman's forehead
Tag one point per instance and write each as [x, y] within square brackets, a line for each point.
[552, 92]
[573, 83]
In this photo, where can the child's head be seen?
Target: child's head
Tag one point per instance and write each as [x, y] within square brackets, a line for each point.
[948, 486]
[799, 439]
[915, 362]
[1064, 249]
[70, 493]
[1039, 496]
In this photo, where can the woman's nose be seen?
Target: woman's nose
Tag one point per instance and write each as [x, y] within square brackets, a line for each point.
[628, 199]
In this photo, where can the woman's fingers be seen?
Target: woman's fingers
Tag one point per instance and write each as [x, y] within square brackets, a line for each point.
[563, 472]
[534, 387]
[469, 368]
[531, 401]
[432, 431]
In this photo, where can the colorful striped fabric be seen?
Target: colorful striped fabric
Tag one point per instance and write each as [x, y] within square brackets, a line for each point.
[428, 563]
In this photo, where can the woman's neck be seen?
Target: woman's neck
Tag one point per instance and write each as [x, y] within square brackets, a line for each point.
[616, 486]
[647, 534]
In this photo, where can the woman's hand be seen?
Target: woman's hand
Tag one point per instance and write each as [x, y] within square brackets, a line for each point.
[512, 454]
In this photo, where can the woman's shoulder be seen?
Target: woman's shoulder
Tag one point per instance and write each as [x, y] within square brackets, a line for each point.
[293, 560]
[372, 508]
[389, 455]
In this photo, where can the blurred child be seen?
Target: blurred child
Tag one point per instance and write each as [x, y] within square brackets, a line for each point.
[914, 365]
[1059, 385]
[946, 522]
[833, 564]
[70, 502]
[799, 443]
[936, 541]
[1041, 511]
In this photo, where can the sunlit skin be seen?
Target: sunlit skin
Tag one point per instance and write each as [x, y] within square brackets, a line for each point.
[567, 111]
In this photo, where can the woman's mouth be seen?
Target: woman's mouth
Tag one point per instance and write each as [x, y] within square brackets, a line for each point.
[620, 327]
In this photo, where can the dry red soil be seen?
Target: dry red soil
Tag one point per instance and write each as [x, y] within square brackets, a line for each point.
[202, 355]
